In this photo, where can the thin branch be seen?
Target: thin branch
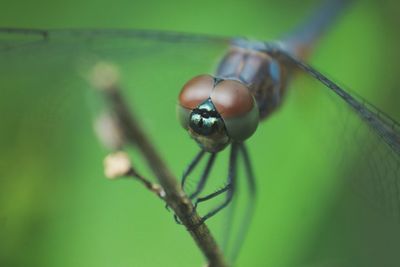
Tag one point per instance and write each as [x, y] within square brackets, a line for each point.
[107, 81]
[118, 165]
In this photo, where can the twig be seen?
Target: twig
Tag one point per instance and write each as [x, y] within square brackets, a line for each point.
[174, 196]
[117, 165]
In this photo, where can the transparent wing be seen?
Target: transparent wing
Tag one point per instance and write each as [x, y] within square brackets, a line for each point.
[19, 46]
[80, 48]
[378, 140]
[44, 75]
[352, 148]
[15, 37]
[382, 124]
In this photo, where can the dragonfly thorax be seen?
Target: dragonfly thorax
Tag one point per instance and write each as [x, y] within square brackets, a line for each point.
[216, 112]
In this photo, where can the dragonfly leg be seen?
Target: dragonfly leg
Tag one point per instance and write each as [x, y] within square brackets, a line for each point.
[229, 188]
[204, 177]
[185, 175]
[249, 209]
[188, 170]
[191, 167]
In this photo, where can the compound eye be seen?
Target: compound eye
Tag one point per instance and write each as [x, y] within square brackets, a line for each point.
[237, 107]
[193, 93]
[196, 91]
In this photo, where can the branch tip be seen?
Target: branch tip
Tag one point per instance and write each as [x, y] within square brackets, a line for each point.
[104, 76]
[116, 165]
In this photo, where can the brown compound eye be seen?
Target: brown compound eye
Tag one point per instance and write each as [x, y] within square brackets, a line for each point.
[237, 107]
[193, 93]
[196, 91]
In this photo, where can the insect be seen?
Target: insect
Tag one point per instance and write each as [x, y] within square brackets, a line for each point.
[250, 84]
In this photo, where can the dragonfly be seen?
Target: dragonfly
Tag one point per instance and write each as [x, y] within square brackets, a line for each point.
[249, 85]
[223, 110]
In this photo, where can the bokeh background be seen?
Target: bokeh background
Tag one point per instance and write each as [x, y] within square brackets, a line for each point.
[56, 207]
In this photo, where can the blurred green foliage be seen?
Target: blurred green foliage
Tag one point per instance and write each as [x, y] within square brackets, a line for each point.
[56, 208]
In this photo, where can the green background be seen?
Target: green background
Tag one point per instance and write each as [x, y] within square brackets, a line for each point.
[56, 207]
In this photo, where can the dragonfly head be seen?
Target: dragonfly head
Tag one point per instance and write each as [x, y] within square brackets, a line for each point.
[216, 112]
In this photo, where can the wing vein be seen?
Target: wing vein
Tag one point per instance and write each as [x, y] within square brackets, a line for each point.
[387, 128]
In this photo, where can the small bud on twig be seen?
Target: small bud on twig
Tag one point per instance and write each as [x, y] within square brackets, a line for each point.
[117, 165]
[104, 76]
